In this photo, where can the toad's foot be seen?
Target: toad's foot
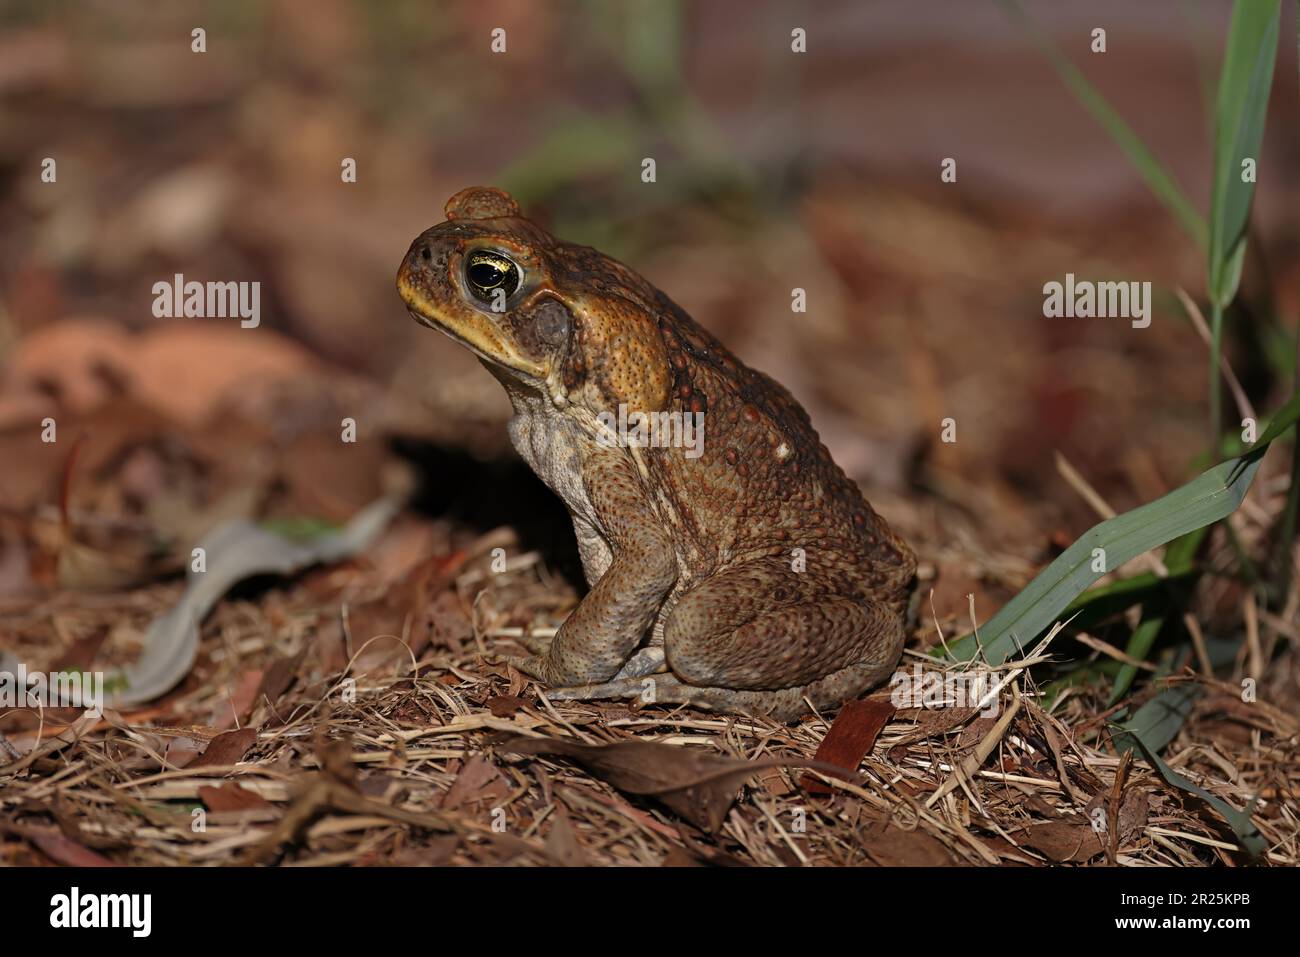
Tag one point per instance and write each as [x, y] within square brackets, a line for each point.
[784, 705]
[534, 666]
[644, 662]
[538, 641]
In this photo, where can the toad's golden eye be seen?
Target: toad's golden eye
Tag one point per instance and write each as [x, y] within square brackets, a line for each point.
[487, 272]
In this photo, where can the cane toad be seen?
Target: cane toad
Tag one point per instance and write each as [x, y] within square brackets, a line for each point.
[736, 568]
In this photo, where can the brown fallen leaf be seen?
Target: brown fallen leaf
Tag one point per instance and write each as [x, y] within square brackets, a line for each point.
[478, 782]
[235, 709]
[280, 676]
[776, 783]
[890, 846]
[1066, 842]
[699, 786]
[974, 733]
[60, 848]
[189, 370]
[436, 853]
[1062, 842]
[78, 360]
[703, 853]
[934, 721]
[680, 857]
[503, 706]
[562, 842]
[226, 748]
[231, 797]
[852, 735]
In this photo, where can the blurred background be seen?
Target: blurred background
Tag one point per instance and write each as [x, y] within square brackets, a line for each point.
[775, 170]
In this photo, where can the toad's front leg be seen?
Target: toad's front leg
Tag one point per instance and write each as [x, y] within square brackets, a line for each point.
[606, 627]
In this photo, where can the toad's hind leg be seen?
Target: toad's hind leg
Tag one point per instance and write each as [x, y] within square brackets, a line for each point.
[760, 639]
[785, 704]
[762, 626]
[730, 658]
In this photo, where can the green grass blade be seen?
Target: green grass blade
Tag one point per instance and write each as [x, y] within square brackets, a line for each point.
[1242, 826]
[1281, 584]
[1244, 85]
[1158, 721]
[1180, 560]
[1216, 376]
[1240, 111]
[1153, 173]
[1282, 420]
[1114, 597]
[1206, 499]
[1209, 497]
[1138, 647]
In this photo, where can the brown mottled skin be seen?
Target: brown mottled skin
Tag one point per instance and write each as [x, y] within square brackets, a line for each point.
[693, 562]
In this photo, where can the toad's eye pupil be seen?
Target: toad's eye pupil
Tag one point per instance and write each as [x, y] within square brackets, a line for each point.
[490, 275]
[486, 275]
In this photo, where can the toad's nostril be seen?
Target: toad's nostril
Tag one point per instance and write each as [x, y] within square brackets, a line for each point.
[425, 254]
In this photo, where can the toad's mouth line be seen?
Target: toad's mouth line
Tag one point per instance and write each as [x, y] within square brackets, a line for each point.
[423, 314]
